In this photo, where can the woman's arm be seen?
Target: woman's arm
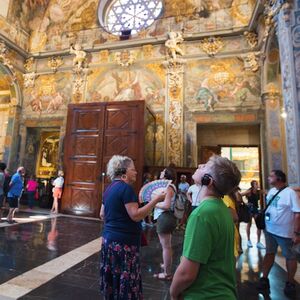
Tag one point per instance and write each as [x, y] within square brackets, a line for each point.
[137, 214]
[166, 204]
[101, 215]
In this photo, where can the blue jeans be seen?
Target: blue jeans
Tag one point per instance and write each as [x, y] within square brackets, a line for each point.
[30, 198]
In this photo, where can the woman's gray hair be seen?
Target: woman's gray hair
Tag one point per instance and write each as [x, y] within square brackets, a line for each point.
[117, 166]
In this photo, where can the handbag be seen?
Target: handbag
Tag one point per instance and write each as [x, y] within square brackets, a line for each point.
[243, 212]
[261, 215]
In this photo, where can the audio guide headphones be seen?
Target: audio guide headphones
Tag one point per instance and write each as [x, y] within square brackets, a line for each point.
[120, 171]
[205, 180]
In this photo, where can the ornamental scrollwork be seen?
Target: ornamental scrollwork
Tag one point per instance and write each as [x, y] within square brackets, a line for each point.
[55, 62]
[4, 58]
[251, 38]
[212, 45]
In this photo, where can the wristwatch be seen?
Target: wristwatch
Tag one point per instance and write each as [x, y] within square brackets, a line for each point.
[297, 233]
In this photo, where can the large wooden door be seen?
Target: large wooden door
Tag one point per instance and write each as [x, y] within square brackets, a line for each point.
[95, 132]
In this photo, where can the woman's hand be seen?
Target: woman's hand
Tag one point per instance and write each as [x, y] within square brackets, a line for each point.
[160, 197]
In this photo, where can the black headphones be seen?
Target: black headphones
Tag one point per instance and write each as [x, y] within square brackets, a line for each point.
[120, 171]
[205, 180]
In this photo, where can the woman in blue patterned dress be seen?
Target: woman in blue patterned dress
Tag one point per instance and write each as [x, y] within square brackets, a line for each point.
[120, 270]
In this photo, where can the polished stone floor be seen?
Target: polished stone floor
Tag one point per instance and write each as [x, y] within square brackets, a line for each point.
[56, 257]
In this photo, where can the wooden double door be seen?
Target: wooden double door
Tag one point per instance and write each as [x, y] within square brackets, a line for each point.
[95, 132]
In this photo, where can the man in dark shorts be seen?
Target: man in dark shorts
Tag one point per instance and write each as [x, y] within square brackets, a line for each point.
[15, 191]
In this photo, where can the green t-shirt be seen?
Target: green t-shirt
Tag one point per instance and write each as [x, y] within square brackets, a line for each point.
[209, 240]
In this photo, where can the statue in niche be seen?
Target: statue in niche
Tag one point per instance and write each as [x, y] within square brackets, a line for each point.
[172, 44]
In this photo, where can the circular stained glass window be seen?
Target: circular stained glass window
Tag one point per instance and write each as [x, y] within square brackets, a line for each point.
[129, 15]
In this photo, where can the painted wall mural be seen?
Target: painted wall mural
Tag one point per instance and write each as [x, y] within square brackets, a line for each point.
[49, 96]
[134, 83]
[121, 84]
[221, 84]
[56, 24]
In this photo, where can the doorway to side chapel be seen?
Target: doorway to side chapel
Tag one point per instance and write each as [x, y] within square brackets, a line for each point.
[240, 144]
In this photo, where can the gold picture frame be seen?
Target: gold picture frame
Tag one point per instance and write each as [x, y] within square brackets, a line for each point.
[47, 163]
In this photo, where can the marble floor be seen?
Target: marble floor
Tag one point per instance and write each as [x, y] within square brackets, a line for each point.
[56, 257]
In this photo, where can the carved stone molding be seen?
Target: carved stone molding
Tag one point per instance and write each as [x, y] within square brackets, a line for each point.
[55, 62]
[289, 92]
[271, 11]
[175, 71]
[212, 45]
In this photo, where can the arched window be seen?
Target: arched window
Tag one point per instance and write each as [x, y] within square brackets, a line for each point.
[129, 16]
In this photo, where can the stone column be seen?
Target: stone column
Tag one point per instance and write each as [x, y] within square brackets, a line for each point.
[274, 137]
[174, 112]
[288, 28]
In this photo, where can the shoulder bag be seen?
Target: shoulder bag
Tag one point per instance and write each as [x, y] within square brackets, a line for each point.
[260, 217]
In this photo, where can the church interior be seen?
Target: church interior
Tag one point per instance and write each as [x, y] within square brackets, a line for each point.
[166, 82]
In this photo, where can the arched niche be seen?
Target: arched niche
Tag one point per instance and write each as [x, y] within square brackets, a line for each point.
[9, 99]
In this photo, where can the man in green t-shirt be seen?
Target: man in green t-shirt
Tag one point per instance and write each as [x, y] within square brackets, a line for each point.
[207, 267]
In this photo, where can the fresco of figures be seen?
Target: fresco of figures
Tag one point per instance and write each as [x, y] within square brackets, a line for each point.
[221, 84]
[45, 20]
[49, 96]
[126, 84]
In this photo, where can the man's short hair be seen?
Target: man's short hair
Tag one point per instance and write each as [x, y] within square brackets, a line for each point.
[2, 166]
[225, 173]
[280, 175]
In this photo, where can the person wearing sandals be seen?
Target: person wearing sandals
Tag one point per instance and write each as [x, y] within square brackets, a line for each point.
[166, 223]
[120, 269]
[207, 267]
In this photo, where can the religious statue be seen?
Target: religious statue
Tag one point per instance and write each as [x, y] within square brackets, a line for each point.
[80, 56]
[172, 44]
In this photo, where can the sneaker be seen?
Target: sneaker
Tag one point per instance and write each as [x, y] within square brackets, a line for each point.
[249, 244]
[260, 245]
[263, 284]
[289, 289]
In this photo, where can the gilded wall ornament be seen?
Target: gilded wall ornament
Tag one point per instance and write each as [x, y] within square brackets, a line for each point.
[251, 61]
[29, 79]
[104, 56]
[55, 62]
[251, 38]
[6, 61]
[173, 45]
[28, 65]
[211, 45]
[125, 58]
[147, 51]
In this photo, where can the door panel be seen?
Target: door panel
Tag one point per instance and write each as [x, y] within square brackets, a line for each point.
[95, 132]
[83, 152]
